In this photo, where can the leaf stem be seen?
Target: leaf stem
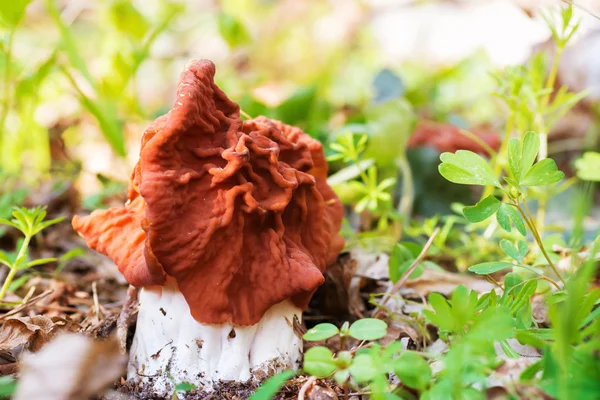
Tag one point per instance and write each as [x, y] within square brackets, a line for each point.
[542, 129]
[7, 282]
[541, 276]
[536, 235]
[15, 267]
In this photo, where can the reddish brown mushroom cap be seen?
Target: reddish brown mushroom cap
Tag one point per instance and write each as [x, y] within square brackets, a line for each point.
[238, 213]
[117, 232]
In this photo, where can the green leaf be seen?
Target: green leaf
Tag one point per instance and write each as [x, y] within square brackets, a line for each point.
[34, 263]
[43, 225]
[363, 369]
[392, 121]
[487, 268]
[412, 370]
[321, 332]
[341, 376]
[68, 43]
[350, 172]
[271, 386]
[368, 329]
[531, 146]
[467, 168]
[588, 166]
[12, 11]
[497, 317]
[29, 85]
[109, 124]
[544, 172]
[518, 253]
[515, 158]
[508, 350]
[184, 387]
[233, 31]
[442, 317]
[507, 214]
[4, 259]
[8, 386]
[19, 282]
[531, 371]
[482, 210]
[318, 361]
[127, 19]
[403, 254]
[296, 108]
[11, 223]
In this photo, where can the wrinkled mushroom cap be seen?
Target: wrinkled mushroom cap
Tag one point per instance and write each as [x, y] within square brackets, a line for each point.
[238, 213]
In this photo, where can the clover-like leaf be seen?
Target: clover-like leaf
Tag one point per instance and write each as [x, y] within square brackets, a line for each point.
[412, 370]
[482, 210]
[508, 215]
[368, 329]
[467, 168]
[588, 166]
[518, 253]
[490, 267]
[363, 368]
[544, 172]
[321, 332]
[318, 361]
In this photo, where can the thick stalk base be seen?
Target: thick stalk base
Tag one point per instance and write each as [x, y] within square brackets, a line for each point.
[170, 347]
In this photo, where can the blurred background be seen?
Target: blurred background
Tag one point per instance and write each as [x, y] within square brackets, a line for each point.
[81, 80]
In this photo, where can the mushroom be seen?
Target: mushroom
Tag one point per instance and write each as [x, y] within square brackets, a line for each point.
[228, 229]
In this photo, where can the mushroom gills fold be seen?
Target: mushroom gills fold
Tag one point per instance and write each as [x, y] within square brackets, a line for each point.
[171, 347]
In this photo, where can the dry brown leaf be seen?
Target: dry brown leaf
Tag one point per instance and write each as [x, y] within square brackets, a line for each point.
[321, 393]
[444, 283]
[30, 333]
[71, 367]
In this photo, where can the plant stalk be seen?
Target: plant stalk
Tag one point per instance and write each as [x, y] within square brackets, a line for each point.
[408, 190]
[543, 132]
[538, 239]
[14, 268]
[7, 282]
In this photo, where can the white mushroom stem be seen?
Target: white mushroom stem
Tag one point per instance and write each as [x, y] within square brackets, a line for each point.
[170, 347]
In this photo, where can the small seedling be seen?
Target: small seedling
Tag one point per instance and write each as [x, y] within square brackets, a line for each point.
[30, 222]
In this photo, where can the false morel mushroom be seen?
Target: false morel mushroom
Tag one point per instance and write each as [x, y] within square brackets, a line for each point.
[228, 229]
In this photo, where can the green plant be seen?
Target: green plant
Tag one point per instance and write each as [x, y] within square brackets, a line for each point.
[466, 167]
[532, 102]
[569, 365]
[588, 166]
[320, 361]
[8, 386]
[30, 222]
[136, 34]
[367, 192]
[270, 387]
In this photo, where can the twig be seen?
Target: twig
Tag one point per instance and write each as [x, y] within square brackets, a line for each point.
[96, 303]
[124, 317]
[31, 302]
[410, 269]
[310, 382]
[29, 294]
